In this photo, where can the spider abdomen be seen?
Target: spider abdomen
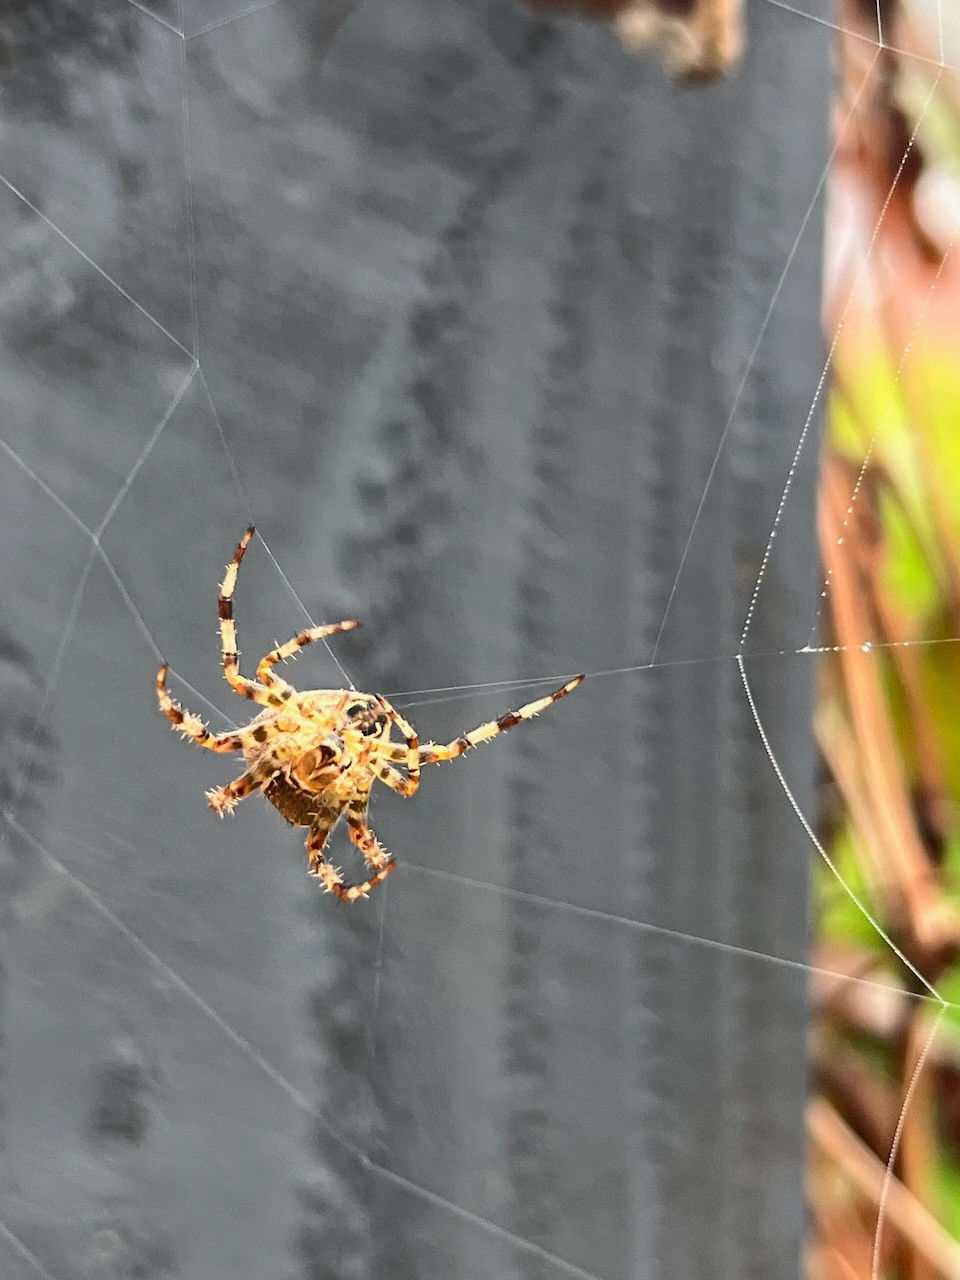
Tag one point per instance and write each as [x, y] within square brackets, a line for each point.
[300, 808]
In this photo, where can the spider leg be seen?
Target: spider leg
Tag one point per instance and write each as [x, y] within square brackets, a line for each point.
[289, 650]
[317, 837]
[228, 637]
[331, 876]
[192, 726]
[412, 756]
[223, 800]
[433, 752]
[374, 854]
[396, 780]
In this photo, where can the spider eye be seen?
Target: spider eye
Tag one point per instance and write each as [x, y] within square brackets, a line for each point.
[356, 710]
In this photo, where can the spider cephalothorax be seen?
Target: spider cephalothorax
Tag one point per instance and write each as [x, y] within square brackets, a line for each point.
[316, 754]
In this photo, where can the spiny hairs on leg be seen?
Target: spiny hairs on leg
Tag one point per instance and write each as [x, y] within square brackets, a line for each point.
[223, 800]
[333, 881]
[413, 747]
[268, 689]
[433, 752]
[331, 876]
[532, 709]
[284, 652]
[192, 726]
[228, 631]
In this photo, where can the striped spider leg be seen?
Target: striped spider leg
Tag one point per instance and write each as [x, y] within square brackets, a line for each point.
[435, 752]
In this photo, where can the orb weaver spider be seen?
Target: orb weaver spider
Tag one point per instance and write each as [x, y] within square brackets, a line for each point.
[316, 754]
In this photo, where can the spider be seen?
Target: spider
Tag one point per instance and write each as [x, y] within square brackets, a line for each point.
[697, 39]
[316, 754]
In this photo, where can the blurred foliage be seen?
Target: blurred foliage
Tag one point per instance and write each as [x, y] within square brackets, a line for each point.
[885, 1117]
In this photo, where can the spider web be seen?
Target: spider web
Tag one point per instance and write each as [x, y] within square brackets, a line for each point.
[134, 579]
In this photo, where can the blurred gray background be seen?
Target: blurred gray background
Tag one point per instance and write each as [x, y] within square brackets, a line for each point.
[487, 326]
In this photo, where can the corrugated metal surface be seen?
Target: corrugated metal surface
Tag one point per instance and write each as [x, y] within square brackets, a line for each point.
[475, 296]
